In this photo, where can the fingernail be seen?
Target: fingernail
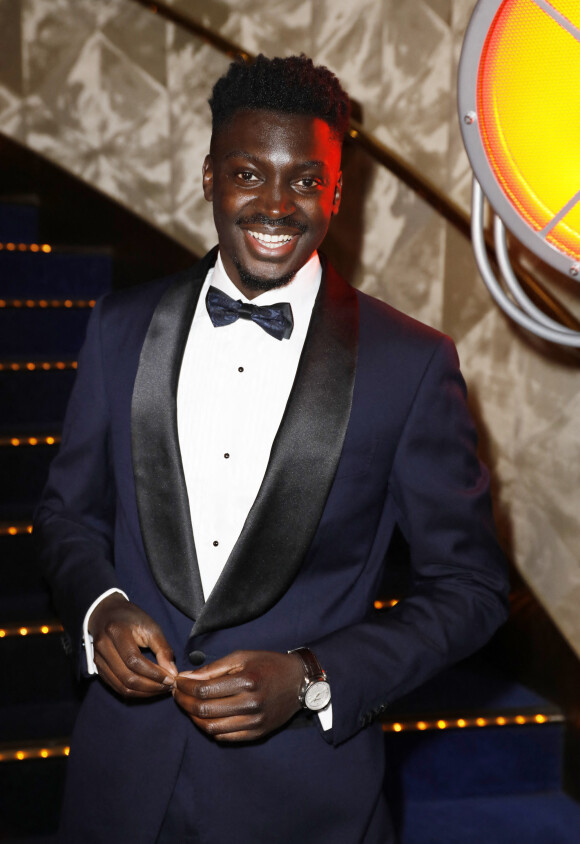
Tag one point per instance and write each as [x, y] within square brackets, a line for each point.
[168, 681]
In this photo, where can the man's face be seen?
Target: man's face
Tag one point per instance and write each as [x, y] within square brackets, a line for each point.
[275, 182]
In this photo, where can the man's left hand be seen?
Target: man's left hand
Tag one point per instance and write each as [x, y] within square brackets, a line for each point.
[243, 696]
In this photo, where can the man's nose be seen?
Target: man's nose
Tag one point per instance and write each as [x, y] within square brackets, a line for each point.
[277, 201]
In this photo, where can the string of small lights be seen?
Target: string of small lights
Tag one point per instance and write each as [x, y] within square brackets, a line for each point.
[386, 605]
[16, 529]
[47, 303]
[33, 365]
[48, 750]
[51, 439]
[518, 720]
[30, 630]
[41, 248]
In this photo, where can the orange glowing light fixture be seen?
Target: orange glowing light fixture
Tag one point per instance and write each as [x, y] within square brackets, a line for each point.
[519, 79]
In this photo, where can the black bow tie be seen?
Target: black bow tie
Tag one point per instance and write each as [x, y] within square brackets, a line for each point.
[275, 319]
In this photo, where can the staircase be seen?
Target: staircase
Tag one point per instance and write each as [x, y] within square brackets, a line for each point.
[477, 758]
[46, 295]
[474, 758]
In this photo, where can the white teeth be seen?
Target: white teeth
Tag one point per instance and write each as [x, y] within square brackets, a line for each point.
[272, 240]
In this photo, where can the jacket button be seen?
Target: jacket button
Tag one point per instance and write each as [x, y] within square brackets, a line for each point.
[196, 657]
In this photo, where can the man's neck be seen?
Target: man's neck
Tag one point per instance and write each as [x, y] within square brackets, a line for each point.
[308, 274]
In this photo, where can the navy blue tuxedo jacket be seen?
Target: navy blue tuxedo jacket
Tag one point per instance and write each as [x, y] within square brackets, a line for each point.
[375, 435]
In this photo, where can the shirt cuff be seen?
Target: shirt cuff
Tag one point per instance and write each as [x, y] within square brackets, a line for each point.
[325, 716]
[87, 638]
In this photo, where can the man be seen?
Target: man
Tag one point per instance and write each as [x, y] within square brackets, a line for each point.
[226, 491]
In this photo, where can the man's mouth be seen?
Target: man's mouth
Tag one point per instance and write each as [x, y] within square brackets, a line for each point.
[271, 241]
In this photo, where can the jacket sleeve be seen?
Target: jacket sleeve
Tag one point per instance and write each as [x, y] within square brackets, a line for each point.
[73, 523]
[439, 495]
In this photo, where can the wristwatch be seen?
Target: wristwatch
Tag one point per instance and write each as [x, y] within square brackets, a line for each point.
[315, 691]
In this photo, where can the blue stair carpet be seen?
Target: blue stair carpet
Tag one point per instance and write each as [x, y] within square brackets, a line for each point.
[30, 798]
[38, 334]
[18, 222]
[23, 594]
[458, 763]
[48, 680]
[32, 402]
[471, 685]
[24, 471]
[549, 818]
[488, 785]
[57, 275]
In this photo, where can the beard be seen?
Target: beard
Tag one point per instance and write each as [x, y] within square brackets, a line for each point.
[255, 282]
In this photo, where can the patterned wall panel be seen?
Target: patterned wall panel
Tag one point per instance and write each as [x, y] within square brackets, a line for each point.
[118, 97]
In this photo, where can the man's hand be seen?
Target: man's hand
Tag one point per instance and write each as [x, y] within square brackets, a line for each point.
[119, 629]
[243, 696]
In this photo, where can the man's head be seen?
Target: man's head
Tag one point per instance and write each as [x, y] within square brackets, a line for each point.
[273, 172]
[293, 85]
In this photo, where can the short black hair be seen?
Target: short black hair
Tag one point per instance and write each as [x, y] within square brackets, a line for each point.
[294, 85]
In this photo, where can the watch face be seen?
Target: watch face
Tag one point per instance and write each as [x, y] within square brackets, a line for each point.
[317, 695]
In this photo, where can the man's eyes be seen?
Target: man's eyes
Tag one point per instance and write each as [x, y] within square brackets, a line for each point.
[308, 182]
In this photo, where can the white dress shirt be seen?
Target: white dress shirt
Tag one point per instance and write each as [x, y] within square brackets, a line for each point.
[244, 376]
[234, 385]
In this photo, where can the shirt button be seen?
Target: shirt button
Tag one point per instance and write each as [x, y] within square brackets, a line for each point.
[240, 368]
[226, 455]
[215, 543]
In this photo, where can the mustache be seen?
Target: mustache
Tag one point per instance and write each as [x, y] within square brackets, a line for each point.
[260, 220]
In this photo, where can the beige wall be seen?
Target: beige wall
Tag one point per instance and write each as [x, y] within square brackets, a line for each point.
[118, 97]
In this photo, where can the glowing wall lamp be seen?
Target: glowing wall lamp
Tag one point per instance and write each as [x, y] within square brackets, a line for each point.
[519, 105]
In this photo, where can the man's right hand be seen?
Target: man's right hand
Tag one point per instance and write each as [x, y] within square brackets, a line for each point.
[119, 630]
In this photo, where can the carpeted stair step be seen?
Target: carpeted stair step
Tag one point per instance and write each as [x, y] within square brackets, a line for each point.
[38, 722]
[40, 695]
[24, 471]
[34, 400]
[435, 758]
[23, 592]
[35, 333]
[476, 762]
[473, 685]
[541, 818]
[81, 274]
[30, 799]
[18, 221]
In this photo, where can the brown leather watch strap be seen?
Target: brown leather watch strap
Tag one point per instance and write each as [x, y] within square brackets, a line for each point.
[312, 668]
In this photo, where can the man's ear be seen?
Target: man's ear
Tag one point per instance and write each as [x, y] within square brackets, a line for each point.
[207, 176]
[337, 194]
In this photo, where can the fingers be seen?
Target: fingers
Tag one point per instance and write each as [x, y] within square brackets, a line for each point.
[242, 696]
[221, 687]
[237, 718]
[224, 705]
[235, 728]
[120, 629]
[230, 664]
[127, 683]
[131, 674]
[163, 654]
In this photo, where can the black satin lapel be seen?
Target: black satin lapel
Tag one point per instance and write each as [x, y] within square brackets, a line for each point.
[161, 491]
[303, 462]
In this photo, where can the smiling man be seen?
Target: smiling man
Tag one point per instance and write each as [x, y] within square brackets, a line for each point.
[274, 190]
[241, 444]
